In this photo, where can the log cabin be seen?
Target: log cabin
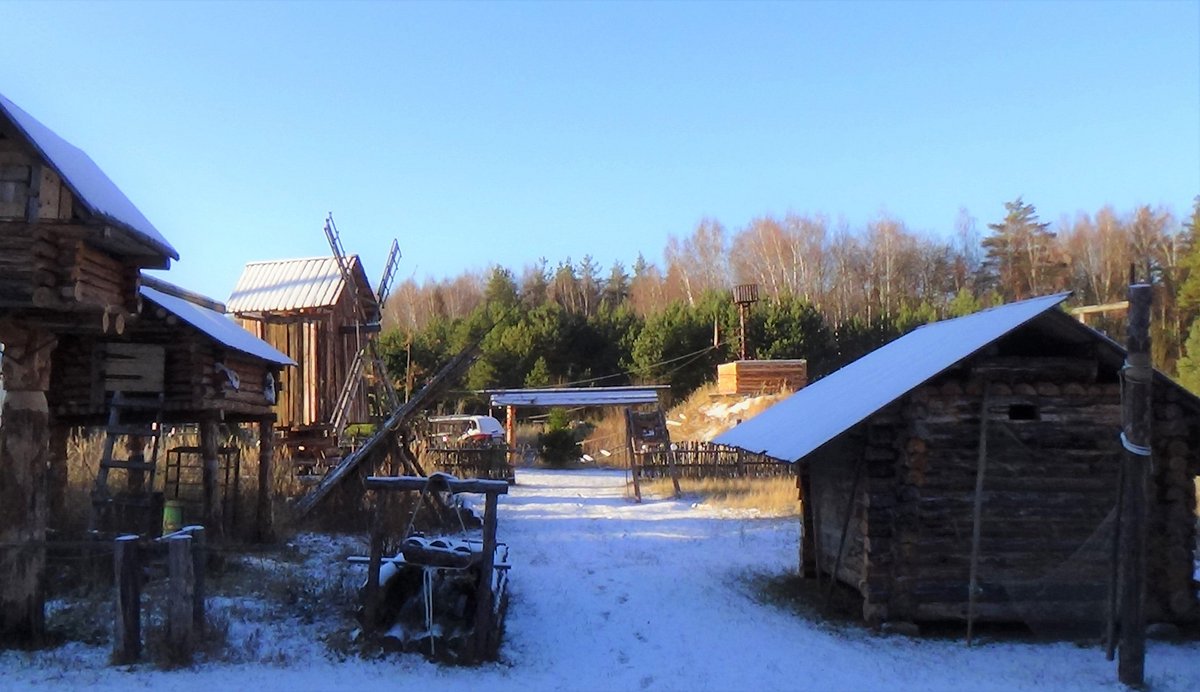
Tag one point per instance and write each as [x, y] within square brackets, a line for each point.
[890, 449]
[207, 370]
[71, 249]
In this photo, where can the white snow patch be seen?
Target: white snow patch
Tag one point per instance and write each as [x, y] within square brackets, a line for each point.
[612, 595]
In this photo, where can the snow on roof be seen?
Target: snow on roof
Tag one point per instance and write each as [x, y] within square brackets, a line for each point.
[90, 185]
[579, 396]
[216, 325]
[293, 284]
[796, 426]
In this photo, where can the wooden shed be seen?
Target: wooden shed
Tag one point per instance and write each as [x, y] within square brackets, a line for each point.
[306, 309]
[890, 449]
[71, 248]
[184, 353]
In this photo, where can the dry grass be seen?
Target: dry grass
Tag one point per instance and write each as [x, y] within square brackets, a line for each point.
[765, 497]
[84, 449]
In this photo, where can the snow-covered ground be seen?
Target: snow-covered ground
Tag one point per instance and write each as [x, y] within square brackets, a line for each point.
[610, 595]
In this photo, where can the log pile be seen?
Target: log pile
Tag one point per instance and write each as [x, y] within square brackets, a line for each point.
[761, 376]
[53, 267]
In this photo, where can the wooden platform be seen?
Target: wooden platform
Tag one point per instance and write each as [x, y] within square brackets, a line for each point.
[761, 376]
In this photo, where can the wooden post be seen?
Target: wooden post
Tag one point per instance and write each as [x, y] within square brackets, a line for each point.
[808, 557]
[210, 459]
[24, 435]
[264, 520]
[199, 565]
[977, 516]
[127, 610]
[371, 597]
[837, 562]
[510, 433]
[674, 468]
[1137, 421]
[57, 477]
[180, 606]
[484, 598]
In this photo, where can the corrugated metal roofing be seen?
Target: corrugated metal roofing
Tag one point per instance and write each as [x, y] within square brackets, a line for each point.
[216, 325]
[830, 406]
[293, 284]
[582, 396]
[90, 185]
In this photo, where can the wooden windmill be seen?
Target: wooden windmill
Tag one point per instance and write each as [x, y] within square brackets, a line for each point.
[366, 375]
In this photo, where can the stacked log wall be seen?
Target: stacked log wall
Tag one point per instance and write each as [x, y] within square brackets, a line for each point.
[1171, 551]
[1050, 484]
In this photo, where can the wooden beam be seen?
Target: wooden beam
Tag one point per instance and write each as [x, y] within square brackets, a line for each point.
[977, 516]
[454, 485]
[264, 524]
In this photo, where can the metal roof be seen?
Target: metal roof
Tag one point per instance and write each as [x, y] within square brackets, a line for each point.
[219, 327]
[89, 184]
[830, 406]
[578, 396]
[294, 284]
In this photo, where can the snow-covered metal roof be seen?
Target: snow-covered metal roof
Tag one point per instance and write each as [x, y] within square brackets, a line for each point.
[830, 406]
[216, 325]
[90, 185]
[293, 284]
[580, 396]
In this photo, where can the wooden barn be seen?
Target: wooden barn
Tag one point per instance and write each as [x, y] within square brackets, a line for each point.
[71, 249]
[306, 309]
[183, 362]
[892, 445]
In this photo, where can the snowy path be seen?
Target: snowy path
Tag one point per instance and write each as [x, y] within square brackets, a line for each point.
[610, 595]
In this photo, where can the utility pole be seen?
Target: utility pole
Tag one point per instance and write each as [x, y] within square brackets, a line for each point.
[1135, 438]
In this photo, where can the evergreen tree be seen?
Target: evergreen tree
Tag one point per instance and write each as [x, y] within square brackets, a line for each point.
[1021, 256]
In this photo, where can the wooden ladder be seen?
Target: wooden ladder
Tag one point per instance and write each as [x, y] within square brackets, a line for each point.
[136, 467]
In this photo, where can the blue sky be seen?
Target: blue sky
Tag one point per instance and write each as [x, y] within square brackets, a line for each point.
[499, 133]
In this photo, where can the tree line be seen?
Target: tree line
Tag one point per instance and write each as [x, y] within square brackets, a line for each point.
[830, 293]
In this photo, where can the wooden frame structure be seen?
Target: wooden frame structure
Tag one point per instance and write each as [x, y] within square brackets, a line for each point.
[71, 249]
[208, 371]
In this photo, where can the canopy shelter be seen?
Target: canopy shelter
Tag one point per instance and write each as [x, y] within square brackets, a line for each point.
[644, 395]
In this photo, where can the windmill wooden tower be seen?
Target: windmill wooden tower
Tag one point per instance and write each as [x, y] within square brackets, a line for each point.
[324, 314]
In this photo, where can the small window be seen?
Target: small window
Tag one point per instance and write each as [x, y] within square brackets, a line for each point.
[1023, 412]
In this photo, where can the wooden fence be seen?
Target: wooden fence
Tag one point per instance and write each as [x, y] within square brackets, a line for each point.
[707, 460]
[489, 463]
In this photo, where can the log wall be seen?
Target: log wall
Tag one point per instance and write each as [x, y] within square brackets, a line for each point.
[1047, 510]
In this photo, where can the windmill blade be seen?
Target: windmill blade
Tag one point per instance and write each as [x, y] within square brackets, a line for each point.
[335, 244]
[389, 273]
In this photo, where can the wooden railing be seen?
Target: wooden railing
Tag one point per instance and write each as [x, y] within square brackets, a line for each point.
[466, 461]
[707, 460]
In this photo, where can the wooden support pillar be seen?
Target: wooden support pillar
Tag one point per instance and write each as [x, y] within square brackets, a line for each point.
[1135, 470]
[210, 459]
[484, 597]
[808, 544]
[264, 519]
[127, 607]
[371, 593]
[24, 449]
[57, 478]
[510, 433]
